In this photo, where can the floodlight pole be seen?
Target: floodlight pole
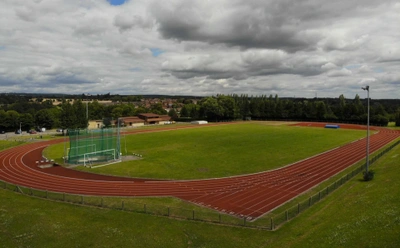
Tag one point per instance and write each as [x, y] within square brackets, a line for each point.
[20, 130]
[367, 162]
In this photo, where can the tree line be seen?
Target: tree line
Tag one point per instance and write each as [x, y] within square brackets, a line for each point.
[233, 107]
[70, 114]
[22, 111]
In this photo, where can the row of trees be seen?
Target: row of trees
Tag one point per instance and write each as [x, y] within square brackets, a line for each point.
[31, 114]
[231, 107]
[76, 114]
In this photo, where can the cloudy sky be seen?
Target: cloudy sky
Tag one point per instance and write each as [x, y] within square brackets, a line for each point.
[302, 48]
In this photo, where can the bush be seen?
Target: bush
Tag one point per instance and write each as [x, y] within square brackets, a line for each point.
[368, 176]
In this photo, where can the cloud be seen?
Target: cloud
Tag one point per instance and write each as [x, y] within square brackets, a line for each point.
[127, 21]
[339, 73]
[234, 23]
[200, 47]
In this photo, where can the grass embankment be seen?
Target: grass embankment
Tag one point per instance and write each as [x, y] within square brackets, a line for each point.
[219, 151]
[359, 214]
[5, 144]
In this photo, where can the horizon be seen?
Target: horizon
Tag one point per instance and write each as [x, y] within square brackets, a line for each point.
[194, 96]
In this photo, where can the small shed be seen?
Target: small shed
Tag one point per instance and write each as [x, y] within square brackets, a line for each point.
[199, 122]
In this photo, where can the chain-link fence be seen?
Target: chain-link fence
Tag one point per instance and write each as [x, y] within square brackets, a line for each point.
[93, 146]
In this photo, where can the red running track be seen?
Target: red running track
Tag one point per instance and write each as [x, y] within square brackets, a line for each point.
[248, 196]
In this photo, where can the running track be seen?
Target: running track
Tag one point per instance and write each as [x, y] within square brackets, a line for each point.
[248, 196]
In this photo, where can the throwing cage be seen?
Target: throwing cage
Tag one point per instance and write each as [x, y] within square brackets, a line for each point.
[89, 147]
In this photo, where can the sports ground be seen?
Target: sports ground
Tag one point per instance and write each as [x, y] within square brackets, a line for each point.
[249, 196]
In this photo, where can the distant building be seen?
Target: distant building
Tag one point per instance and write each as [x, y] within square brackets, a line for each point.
[95, 124]
[132, 121]
[135, 121]
[150, 118]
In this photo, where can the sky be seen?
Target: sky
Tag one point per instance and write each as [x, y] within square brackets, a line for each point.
[292, 48]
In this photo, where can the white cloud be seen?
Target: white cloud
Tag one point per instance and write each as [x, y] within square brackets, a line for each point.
[208, 47]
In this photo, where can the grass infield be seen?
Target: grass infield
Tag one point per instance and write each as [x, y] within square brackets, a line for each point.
[219, 151]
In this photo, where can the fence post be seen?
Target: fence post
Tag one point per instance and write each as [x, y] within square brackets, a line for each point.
[272, 223]
[244, 221]
[81, 199]
[30, 191]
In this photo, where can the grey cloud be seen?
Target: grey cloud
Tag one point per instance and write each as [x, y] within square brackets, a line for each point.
[26, 14]
[91, 26]
[244, 25]
[127, 21]
[339, 73]
[286, 25]
[242, 65]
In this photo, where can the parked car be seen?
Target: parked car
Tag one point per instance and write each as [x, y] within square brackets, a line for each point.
[32, 131]
[18, 131]
[59, 130]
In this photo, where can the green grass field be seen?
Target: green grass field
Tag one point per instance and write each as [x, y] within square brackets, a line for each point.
[359, 214]
[219, 151]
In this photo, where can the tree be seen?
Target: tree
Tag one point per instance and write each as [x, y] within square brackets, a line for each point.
[117, 112]
[128, 109]
[68, 117]
[211, 109]
[320, 109]
[54, 114]
[96, 110]
[184, 111]
[80, 114]
[397, 118]
[3, 125]
[227, 107]
[341, 108]
[158, 109]
[172, 113]
[45, 118]
[12, 120]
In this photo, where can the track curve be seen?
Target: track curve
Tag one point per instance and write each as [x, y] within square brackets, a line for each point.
[245, 196]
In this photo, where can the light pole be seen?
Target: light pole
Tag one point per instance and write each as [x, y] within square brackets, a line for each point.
[20, 130]
[367, 164]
